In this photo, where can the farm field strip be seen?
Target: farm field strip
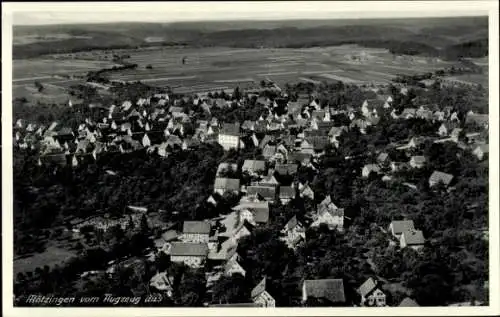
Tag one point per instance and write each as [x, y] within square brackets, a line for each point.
[340, 78]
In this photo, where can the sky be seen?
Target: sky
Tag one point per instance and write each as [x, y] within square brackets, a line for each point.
[63, 13]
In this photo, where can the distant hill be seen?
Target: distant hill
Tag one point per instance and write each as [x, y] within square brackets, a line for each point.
[445, 37]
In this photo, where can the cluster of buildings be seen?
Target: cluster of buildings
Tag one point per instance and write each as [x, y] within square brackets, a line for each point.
[290, 135]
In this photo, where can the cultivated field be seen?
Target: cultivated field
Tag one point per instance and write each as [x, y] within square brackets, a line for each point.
[215, 68]
[210, 68]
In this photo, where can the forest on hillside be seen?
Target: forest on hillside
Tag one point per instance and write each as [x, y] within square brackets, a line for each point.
[445, 39]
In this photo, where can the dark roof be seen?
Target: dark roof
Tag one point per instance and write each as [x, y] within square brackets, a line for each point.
[298, 156]
[186, 249]
[330, 289]
[201, 227]
[156, 137]
[230, 129]
[284, 169]
[318, 142]
[375, 103]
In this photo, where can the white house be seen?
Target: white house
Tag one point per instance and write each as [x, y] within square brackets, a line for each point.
[195, 231]
[191, 254]
[329, 214]
[229, 136]
[294, 232]
[371, 294]
[261, 296]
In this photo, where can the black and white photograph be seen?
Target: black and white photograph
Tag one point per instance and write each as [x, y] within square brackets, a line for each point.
[238, 155]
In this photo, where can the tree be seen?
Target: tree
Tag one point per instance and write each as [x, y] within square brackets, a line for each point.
[232, 289]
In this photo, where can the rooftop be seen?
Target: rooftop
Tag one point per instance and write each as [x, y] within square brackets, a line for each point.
[330, 289]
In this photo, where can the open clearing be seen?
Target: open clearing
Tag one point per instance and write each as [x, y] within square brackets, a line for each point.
[212, 68]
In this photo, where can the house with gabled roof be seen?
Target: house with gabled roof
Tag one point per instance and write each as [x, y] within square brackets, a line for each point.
[226, 167]
[481, 120]
[269, 151]
[195, 231]
[412, 238]
[370, 168]
[417, 161]
[261, 296]
[305, 191]
[302, 158]
[254, 166]
[370, 107]
[233, 267]
[481, 151]
[318, 143]
[261, 192]
[162, 282]
[294, 232]
[223, 185]
[371, 294]
[445, 128]
[408, 113]
[330, 291]
[83, 147]
[361, 124]
[397, 227]
[191, 254]
[438, 177]
[268, 180]
[229, 136]
[334, 133]
[248, 125]
[253, 212]
[408, 302]
[286, 168]
[329, 214]
[286, 194]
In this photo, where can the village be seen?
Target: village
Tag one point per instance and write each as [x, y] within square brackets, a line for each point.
[292, 133]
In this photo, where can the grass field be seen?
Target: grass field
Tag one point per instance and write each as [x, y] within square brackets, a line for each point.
[214, 68]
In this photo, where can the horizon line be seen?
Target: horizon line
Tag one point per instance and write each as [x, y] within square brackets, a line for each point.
[216, 20]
